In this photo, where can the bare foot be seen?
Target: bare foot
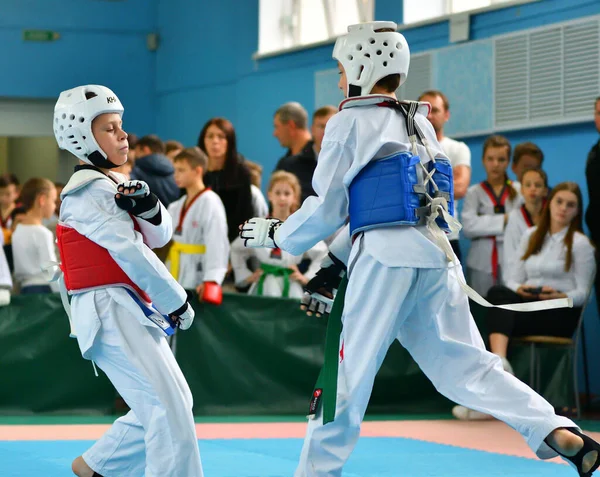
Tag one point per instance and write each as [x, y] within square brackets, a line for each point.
[81, 469]
[570, 444]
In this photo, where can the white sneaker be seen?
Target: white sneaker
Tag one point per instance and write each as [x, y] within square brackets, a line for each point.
[463, 413]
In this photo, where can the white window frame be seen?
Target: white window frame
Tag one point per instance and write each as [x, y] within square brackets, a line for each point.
[328, 41]
[475, 11]
[405, 26]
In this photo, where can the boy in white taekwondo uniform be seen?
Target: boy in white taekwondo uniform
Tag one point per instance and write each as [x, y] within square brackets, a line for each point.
[401, 284]
[200, 251]
[124, 300]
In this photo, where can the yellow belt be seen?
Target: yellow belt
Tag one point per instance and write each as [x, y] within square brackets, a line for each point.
[175, 253]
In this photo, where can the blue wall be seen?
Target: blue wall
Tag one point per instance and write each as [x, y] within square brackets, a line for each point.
[204, 68]
[102, 42]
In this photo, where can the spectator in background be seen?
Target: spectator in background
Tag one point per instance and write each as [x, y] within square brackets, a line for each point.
[6, 283]
[172, 148]
[556, 260]
[259, 204]
[33, 244]
[592, 177]
[290, 125]
[458, 153]
[227, 174]
[154, 168]
[52, 222]
[17, 216]
[278, 274]
[255, 171]
[200, 250]
[132, 141]
[534, 190]
[485, 214]
[9, 193]
[319, 121]
[527, 155]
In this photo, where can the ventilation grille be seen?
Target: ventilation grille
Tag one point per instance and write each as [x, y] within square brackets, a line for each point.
[419, 77]
[547, 76]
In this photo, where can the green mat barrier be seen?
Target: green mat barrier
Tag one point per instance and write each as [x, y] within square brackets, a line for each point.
[249, 356]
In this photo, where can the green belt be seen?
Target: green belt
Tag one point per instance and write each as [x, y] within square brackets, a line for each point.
[327, 380]
[275, 271]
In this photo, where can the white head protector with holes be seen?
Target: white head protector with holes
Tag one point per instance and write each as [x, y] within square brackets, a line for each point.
[73, 115]
[368, 55]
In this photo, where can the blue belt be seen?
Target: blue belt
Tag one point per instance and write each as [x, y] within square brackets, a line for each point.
[162, 321]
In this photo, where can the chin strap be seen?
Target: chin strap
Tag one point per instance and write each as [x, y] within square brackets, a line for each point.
[98, 160]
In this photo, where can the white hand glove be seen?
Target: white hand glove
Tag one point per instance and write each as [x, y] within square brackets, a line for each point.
[184, 316]
[317, 304]
[259, 233]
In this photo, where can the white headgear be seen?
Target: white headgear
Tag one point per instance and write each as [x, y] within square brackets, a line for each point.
[73, 115]
[368, 56]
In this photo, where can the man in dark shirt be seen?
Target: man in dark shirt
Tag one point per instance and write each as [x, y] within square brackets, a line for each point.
[291, 130]
[592, 214]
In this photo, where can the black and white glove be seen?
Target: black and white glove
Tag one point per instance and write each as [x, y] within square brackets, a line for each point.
[135, 197]
[259, 233]
[183, 317]
[319, 293]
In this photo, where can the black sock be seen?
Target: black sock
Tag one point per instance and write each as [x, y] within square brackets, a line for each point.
[96, 474]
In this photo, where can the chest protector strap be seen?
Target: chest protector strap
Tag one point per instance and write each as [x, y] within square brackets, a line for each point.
[400, 189]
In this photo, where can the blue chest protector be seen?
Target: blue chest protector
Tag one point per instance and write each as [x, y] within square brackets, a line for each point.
[391, 191]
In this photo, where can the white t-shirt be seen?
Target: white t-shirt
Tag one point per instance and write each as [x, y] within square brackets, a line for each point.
[460, 155]
[457, 151]
[33, 248]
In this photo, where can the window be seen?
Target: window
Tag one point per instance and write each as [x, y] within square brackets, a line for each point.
[423, 10]
[287, 24]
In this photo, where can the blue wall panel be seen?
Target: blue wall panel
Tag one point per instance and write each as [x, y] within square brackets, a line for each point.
[465, 74]
[101, 42]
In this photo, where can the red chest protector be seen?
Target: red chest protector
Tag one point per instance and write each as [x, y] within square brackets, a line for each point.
[87, 266]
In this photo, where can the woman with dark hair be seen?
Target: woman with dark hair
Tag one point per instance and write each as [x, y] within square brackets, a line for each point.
[556, 260]
[227, 174]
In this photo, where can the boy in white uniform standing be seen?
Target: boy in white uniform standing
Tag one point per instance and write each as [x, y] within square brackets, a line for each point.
[401, 284]
[200, 251]
[124, 300]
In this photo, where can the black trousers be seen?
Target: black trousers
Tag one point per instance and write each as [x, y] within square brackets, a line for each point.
[559, 322]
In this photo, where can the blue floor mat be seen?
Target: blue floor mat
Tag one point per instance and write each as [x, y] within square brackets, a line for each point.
[373, 457]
